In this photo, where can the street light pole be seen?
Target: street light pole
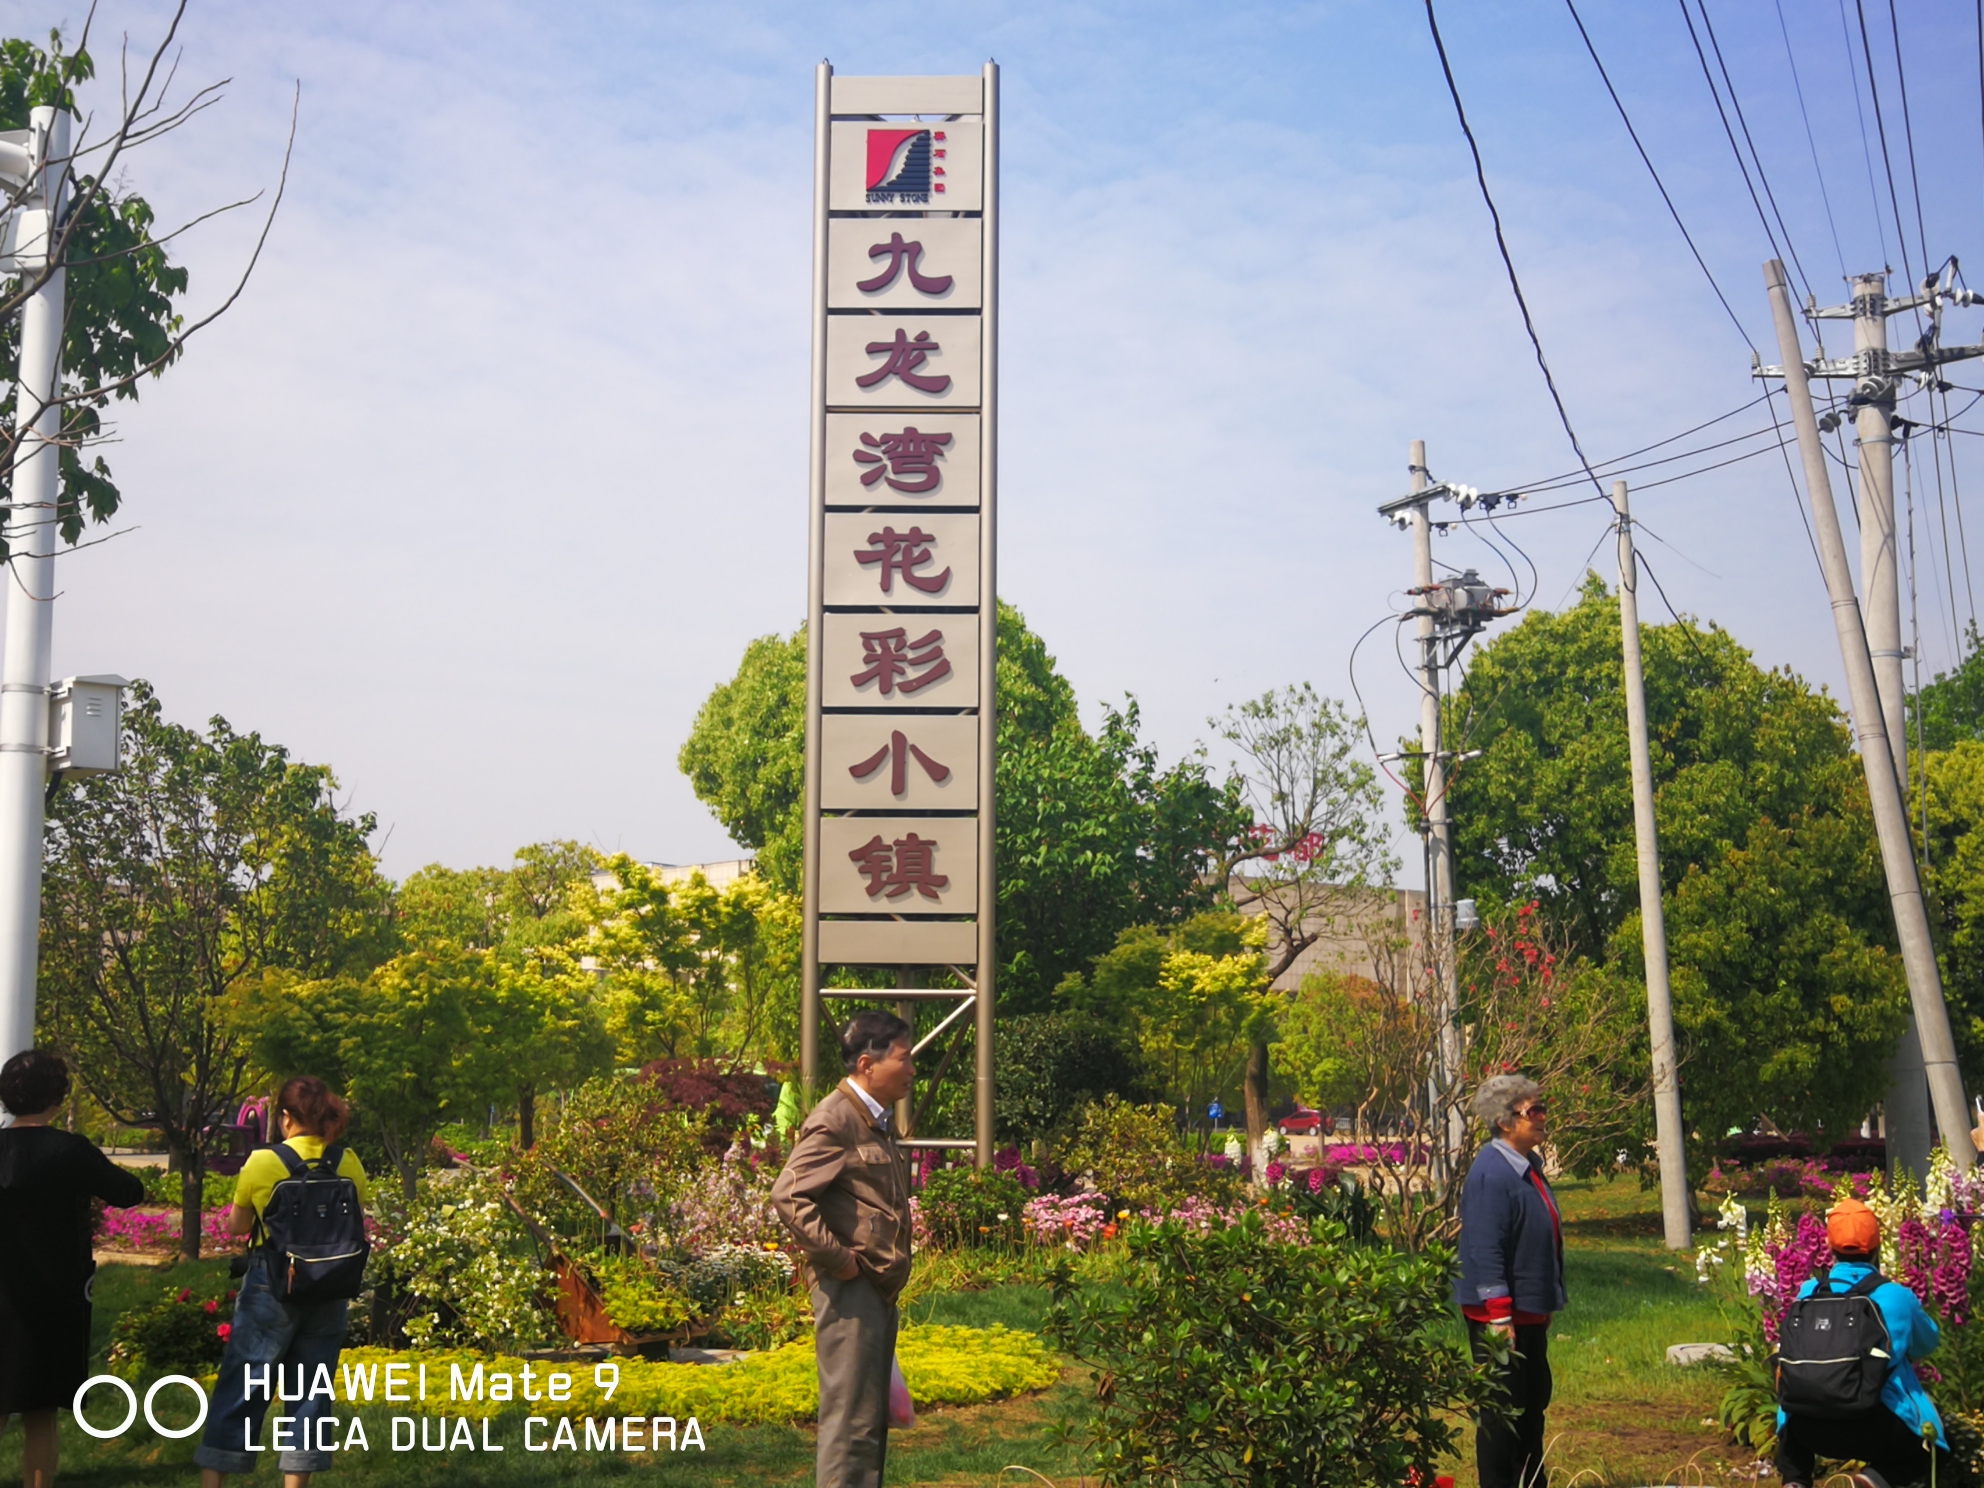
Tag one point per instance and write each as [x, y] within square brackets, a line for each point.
[30, 531]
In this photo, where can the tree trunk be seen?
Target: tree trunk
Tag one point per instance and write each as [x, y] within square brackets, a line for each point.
[1257, 1099]
[192, 1176]
[526, 1116]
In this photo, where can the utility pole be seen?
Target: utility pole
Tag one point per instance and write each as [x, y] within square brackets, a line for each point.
[1669, 1135]
[1918, 952]
[38, 159]
[1449, 613]
[1875, 373]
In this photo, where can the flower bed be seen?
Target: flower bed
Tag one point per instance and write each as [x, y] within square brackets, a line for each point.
[941, 1365]
[156, 1232]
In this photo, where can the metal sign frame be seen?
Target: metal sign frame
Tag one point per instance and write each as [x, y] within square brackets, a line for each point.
[843, 105]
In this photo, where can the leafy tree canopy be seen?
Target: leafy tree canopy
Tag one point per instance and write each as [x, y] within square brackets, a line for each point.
[1093, 834]
[1546, 813]
[1951, 708]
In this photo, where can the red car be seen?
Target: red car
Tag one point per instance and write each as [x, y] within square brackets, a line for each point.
[1303, 1122]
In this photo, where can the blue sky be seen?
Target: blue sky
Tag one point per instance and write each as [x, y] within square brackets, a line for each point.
[500, 461]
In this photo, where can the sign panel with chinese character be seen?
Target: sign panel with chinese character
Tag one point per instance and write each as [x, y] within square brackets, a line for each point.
[899, 661]
[899, 865]
[903, 361]
[912, 762]
[902, 561]
[891, 264]
[904, 461]
[902, 165]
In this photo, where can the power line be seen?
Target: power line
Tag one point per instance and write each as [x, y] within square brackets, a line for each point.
[1551, 480]
[1659, 184]
[1880, 125]
[1502, 245]
[1730, 134]
[1908, 135]
[1762, 178]
[1817, 169]
[1866, 147]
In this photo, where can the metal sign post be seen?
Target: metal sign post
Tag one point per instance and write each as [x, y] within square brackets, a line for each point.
[901, 637]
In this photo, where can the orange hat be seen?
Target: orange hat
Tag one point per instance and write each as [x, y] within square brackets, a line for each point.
[1852, 1228]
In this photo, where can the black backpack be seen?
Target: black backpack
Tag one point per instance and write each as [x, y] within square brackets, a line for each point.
[313, 1230]
[1834, 1354]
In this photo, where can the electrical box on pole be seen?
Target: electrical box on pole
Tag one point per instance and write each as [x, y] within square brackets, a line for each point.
[85, 722]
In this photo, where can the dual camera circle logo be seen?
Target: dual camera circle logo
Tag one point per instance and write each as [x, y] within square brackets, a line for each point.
[131, 1405]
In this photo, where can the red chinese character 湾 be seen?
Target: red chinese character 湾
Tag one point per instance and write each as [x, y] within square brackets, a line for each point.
[890, 655]
[910, 454]
[904, 357]
[900, 553]
[898, 750]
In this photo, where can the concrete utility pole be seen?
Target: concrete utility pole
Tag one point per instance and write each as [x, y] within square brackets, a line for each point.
[1439, 823]
[1875, 373]
[1669, 1134]
[39, 156]
[1876, 755]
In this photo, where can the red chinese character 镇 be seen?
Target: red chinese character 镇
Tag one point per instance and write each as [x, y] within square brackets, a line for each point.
[903, 256]
[892, 870]
[904, 357]
[899, 750]
[910, 454]
[900, 553]
[890, 655]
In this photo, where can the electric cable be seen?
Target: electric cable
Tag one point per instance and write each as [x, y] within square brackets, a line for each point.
[1502, 245]
[1811, 141]
[1880, 126]
[1908, 136]
[1762, 178]
[1659, 185]
[1734, 148]
[1567, 475]
[1866, 146]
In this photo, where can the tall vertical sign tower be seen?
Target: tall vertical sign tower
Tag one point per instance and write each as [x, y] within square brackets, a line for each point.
[901, 638]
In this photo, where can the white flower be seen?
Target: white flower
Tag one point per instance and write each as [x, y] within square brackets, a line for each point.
[1003, 1217]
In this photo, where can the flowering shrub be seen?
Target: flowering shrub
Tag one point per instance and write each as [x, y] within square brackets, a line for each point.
[1073, 1220]
[1135, 1156]
[146, 1230]
[182, 1333]
[967, 1206]
[726, 1202]
[1007, 1160]
[466, 1266]
[639, 1298]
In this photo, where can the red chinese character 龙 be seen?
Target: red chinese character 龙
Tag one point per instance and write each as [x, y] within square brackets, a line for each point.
[904, 357]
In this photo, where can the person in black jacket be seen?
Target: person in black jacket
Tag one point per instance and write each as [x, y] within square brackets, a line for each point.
[1511, 1276]
[47, 1179]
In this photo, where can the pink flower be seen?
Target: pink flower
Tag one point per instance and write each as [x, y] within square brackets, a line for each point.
[224, 1331]
[212, 1307]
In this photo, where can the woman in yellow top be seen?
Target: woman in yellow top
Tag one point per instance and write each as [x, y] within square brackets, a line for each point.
[283, 1341]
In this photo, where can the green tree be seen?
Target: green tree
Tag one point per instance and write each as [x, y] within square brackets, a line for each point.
[121, 324]
[1093, 835]
[209, 861]
[1777, 919]
[412, 1045]
[1952, 793]
[1951, 708]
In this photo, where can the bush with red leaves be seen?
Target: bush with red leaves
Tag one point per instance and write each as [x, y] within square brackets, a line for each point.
[730, 1096]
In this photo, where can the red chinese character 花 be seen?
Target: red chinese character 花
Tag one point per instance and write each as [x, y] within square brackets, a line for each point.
[902, 553]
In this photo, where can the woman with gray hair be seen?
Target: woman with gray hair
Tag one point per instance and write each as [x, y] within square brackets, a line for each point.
[1511, 1275]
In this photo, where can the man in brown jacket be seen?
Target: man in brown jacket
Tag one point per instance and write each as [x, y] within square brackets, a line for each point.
[844, 1195]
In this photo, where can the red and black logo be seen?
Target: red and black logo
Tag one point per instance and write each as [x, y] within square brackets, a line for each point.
[905, 166]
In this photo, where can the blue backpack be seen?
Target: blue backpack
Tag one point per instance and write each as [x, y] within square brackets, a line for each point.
[313, 1230]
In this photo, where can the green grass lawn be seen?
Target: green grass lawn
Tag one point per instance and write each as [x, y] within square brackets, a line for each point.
[1622, 1415]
